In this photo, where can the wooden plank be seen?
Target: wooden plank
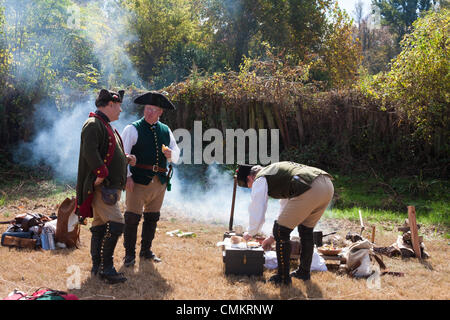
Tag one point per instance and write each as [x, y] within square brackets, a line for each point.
[414, 231]
[361, 222]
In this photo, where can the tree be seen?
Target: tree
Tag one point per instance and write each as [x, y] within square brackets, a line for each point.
[400, 14]
[341, 53]
[161, 27]
[233, 24]
[377, 43]
[418, 83]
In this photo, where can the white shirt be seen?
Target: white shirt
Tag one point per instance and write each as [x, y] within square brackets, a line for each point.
[258, 206]
[130, 137]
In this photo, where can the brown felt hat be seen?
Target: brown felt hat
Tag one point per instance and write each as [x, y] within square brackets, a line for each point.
[105, 96]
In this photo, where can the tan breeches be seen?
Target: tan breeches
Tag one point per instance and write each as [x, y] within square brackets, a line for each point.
[307, 208]
[147, 198]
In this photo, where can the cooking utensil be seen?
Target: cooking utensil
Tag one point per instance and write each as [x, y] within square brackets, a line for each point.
[318, 237]
[329, 252]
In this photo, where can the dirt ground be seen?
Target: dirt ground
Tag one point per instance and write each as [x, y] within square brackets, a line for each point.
[192, 268]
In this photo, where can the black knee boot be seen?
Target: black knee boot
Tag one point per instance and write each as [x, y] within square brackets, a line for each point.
[283, 249]
[307, 244]
[148, 234]
[129, 237]
[107, 270]
[98, 232]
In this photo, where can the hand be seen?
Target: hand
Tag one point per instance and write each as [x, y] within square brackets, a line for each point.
[167, 152]
[246, 236]
[130, 185]
[98, 181]
[131, 160]
[267, 243]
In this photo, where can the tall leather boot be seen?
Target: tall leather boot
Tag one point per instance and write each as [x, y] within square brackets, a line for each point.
[283, 250]
[307, 243]
[107, 270]
[148, 234]
[129, 237]
[98, 232]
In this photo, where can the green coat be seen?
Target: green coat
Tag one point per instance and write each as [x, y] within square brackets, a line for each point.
[93, 155]
[289, 179]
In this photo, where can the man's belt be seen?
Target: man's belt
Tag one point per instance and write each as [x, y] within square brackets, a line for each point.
[154, 168]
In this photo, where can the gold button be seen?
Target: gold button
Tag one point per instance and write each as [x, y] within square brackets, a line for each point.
[98, 171]
[104, 160]
[107, 155]
[89, 192]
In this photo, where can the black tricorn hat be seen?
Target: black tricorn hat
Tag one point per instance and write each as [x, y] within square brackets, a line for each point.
[105, 96]
[155, 99]
[242, 172]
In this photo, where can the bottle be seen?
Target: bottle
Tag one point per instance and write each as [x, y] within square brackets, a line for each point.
[51, 241]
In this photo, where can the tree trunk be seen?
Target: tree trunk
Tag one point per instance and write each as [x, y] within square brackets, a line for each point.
[299, 119]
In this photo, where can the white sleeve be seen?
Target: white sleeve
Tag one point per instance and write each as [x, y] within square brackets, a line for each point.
[174, 147]
[258, 206]
[129, 138]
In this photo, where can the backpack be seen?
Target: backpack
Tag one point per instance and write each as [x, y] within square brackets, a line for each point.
[41, 294]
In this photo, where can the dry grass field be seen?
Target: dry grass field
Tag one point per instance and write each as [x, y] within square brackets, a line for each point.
[192, 268]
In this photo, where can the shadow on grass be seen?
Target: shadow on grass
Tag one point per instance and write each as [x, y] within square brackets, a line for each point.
[144, 283]
[292, 292]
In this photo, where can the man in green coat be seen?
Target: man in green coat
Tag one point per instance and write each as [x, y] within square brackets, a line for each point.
[102, 172]
[155, 148]
[304, 194]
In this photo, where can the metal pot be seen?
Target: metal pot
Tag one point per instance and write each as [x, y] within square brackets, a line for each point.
[318, 236]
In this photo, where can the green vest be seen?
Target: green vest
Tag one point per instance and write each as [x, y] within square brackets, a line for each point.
[148, 150]
[289, 179]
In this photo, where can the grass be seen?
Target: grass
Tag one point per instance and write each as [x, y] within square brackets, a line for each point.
[387, 199]
[192, 268]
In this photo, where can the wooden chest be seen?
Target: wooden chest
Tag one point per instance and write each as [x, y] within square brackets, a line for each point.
[239, 261]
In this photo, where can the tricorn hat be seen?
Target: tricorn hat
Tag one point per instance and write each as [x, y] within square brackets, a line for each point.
[105, 96]
[155, 99]
[242, 172]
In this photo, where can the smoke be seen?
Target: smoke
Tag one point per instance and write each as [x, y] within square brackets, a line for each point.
[110, 36]
[57, 140]
[57, 129]
[210, 201]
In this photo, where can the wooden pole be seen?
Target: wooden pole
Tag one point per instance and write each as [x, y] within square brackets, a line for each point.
[414, 231]
[373, 234]
[230, 227]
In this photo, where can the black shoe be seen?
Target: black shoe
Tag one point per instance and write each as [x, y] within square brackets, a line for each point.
[149, 255]
[113, 277]
[278, 280]
[301, 275]
[129, 261]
